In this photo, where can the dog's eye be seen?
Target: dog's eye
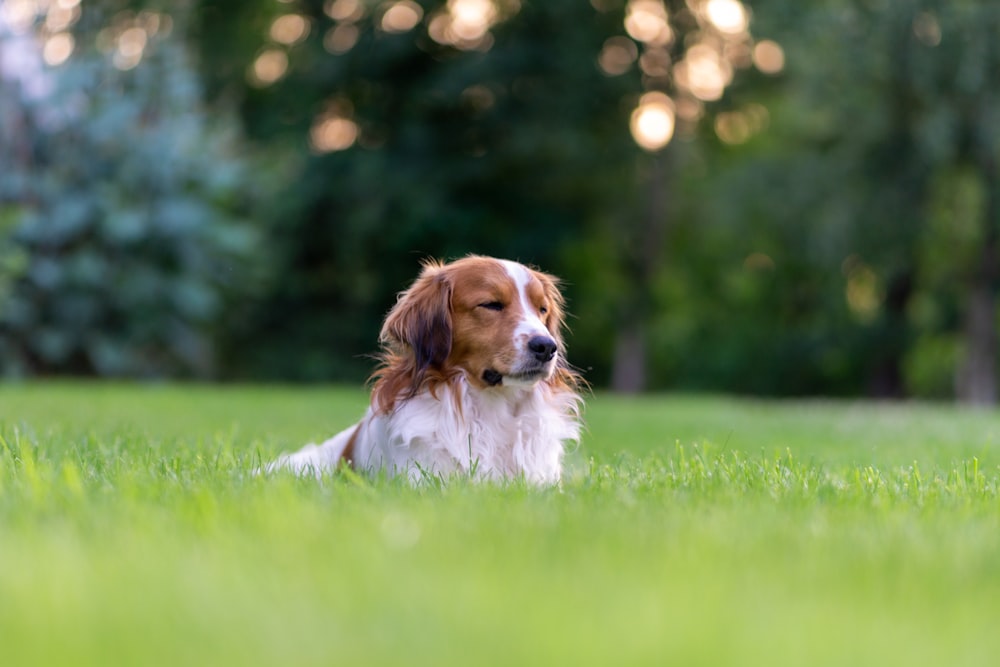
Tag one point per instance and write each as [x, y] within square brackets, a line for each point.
[543, 310]
[492, 305]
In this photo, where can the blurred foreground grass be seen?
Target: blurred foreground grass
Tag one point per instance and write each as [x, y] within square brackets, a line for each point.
[694, 531]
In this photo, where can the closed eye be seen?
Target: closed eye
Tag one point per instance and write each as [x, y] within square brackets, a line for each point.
[492, 305]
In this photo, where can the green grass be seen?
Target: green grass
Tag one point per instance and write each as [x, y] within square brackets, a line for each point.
[689, 531]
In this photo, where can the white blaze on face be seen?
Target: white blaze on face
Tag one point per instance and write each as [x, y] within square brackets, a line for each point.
[530, 325]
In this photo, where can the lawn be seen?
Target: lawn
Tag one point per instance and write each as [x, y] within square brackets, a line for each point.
[689, 531]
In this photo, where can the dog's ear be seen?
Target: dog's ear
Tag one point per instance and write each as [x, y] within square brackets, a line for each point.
[564, 378]
[420, 322]
[557, 314]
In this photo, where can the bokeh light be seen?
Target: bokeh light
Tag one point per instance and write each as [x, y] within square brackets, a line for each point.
[617, 56]
[728, 16]
[863, 291]
[333, 132]
[269, 67]
[646, 21]
[927, 29]
[655, 63]
[470, 19]
[768, 57]
[652, 122]
[289, 29]
[131, 45]
[732, 127]
[401, 17]
[58, 48]
[478, 98]
[61, 16]
[132, 42]
[19, 15]
[465, 24]
[344, 10]
[738, 126]
[341, 39]
[703, 72]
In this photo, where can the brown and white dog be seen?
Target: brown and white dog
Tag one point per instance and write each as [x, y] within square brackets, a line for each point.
[473, 381]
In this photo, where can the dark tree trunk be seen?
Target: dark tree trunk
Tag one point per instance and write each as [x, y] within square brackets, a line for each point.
[642, 258]
[975, 382]
[628, 374]
[976, 378]
[886, 378]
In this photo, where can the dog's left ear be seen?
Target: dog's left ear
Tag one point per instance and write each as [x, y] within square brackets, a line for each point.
[564, 378]
[421, 320]
[557, 304]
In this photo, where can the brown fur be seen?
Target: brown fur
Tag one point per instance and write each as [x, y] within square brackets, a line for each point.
[348, 454]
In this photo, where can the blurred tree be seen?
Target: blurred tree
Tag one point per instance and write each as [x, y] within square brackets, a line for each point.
[413, 140]
[440, 128]
[913, 113]
[830, 230]
[118, 240]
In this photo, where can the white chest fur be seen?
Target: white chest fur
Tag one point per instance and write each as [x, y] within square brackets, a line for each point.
[502, 432]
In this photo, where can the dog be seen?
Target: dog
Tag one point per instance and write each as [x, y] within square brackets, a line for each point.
[473, 381]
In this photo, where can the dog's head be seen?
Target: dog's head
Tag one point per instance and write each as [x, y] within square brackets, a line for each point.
[498, 322]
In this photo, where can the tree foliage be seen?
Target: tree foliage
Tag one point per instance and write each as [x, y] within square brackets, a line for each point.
[826, 225]
[119, 233]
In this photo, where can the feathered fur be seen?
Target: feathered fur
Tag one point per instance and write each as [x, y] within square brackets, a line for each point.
[472, 380]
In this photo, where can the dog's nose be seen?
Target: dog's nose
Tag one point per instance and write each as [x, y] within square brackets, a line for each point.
[543, 347]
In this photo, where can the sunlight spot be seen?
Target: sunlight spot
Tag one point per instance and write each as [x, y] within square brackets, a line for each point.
[438, 28]
[646, 21]
[689, 109]
[130, 46]
[768, 57]
[289, 29]
[154, 23]
[19, 15]
[402, 16]
[736, 127]
[58, 48]
[465, 24]
[344, 10]
[703, 73]
[269, 66]
[655, 62]
[341, 39]
[758, 116]
[132, 42]
[739, 54]
[652, 122]
[124, 62]
[927, 29]
[617, 55]
[863, 291]
[728, 16]
[333, 132]
[60, 18]
[732, 127]
[470, 19]
[478, 97]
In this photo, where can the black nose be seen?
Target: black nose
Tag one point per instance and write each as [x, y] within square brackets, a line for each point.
[543, 347]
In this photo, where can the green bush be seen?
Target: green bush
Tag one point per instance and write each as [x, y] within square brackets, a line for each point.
[120, 235]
